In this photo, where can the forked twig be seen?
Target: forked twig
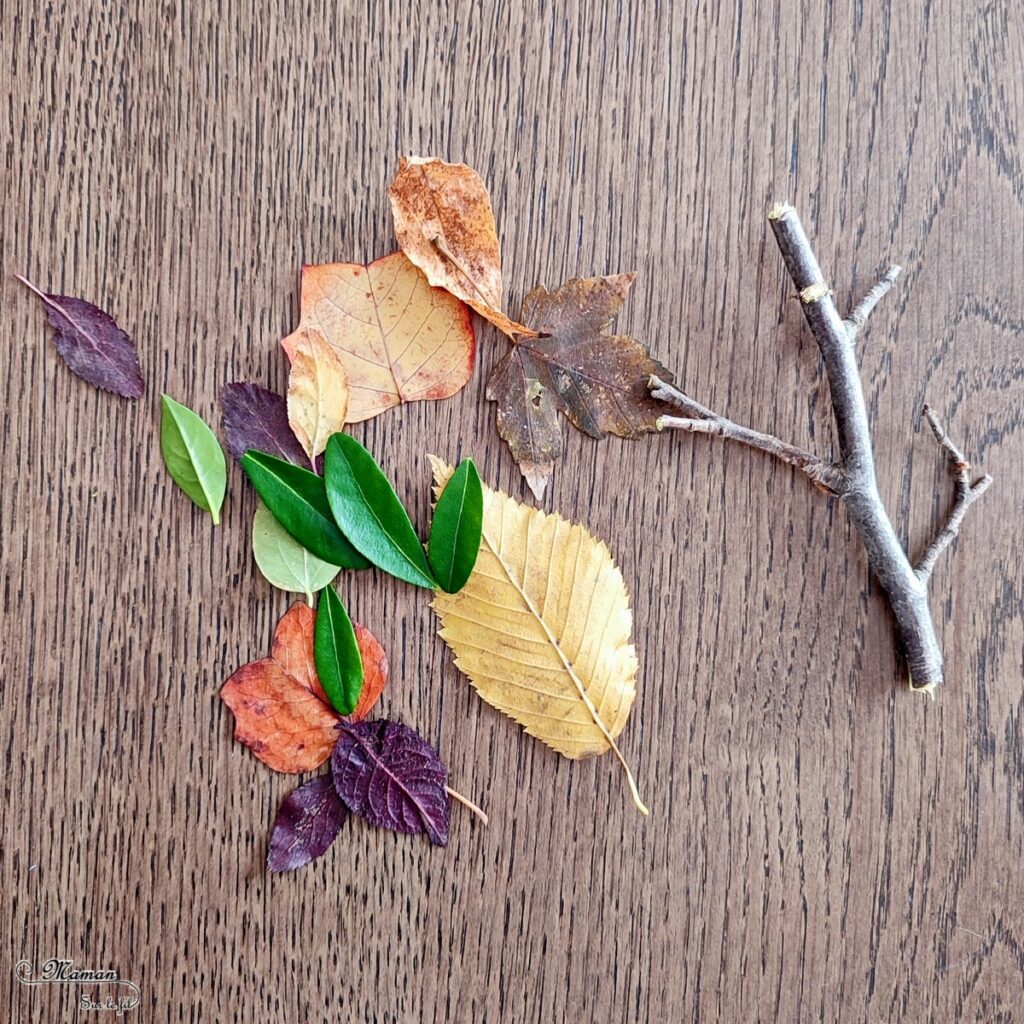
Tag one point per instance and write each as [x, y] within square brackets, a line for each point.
[853, 478]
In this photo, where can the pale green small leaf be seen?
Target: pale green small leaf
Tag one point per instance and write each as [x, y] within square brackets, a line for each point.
[284, 562]
[193, 456]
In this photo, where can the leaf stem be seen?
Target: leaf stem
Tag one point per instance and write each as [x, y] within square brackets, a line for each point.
[466, 802]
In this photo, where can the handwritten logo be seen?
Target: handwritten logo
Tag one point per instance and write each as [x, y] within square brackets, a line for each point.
[124, 995]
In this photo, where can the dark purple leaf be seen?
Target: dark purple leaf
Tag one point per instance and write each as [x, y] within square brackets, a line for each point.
[307, 823]
[255, 418]
[92, 345]
[390, 775]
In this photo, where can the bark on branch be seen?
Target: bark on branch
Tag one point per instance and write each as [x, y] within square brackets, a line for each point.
[853, 479]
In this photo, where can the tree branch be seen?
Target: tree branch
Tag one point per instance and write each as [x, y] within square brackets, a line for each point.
[966, 494]
[854, 479]
[859, 314]
[701, 420]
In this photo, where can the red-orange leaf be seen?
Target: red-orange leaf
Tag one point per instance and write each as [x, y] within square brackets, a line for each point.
[281, 711]
[375, 672]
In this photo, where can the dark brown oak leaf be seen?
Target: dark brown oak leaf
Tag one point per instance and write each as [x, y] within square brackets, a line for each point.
[598, 380]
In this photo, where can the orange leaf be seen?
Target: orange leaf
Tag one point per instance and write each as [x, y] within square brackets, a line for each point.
[445, 225]
[375, 672]
[281, 711]
[398, 339]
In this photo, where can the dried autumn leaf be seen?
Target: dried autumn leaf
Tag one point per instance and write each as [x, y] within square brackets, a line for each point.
[399, 339]
[281, 711]
[318, 393]
[256, 419]
[91, 343]
[598, 380]
[307, 822]
[375, 673]
[388, 774]
[542, 628]
[445, 225]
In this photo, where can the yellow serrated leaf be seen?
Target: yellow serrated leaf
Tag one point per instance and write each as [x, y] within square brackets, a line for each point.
[317, 392]
[542, 628]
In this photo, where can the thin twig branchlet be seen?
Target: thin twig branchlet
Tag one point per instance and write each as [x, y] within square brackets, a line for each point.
[853, 478]
[859, 314]
[965, 494]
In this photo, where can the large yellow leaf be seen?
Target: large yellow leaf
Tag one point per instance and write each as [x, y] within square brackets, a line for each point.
[318, 393]
[542, 628]
[399, 339]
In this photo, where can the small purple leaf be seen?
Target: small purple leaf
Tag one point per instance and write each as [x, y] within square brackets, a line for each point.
[92, 345]
[255, 418]
[390, 775]
[307, 823]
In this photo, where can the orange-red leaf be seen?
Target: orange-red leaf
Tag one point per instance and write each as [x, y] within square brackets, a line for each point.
[399, 339]
[281, 711]
[375, 673]
[445, 225]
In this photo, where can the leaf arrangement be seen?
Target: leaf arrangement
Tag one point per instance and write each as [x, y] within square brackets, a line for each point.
[287, 712]
[533, 608]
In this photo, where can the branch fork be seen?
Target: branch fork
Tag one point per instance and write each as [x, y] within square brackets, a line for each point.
[852, 479]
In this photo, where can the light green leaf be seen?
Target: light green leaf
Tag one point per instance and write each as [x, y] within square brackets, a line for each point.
[193, 456]
[284, 562]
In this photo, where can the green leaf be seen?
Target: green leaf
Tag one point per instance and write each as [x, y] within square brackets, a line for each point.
[456, 528]
[284, 562]
[297, 500]
[193, 456]
[367, 509]
[339, 665]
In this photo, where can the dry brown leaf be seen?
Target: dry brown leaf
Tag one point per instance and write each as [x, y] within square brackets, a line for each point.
[542, 628]
[598, 380]
[445, 225]
[399, 339]
[318, 393]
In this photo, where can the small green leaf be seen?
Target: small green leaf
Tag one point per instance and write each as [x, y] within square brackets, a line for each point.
[297, 500]
[339, 665]
[456, 528]
[193, 456]
[367, 509]
[284, 562]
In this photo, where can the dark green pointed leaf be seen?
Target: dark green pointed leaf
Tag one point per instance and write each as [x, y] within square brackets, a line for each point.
[193, 456]
[456, 528]
[369, 513]
[339, 665]
[297, 500]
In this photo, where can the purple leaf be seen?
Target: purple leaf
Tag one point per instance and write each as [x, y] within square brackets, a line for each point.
[307, 823]
[257, 418]
[92, 345]
[390, 775]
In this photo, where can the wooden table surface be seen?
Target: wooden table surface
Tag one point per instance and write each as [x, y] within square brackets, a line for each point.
[823, 845]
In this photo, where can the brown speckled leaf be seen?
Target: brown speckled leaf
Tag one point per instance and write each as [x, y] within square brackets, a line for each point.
[598, 380]
[445, 225]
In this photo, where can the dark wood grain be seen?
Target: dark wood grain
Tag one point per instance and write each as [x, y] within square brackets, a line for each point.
[823, 846]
